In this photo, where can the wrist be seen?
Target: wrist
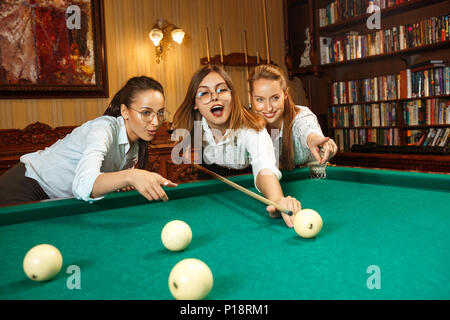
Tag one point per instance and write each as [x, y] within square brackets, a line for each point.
[278, 200]
[131, 176]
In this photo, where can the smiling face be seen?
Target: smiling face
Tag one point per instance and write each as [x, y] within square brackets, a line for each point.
[144, 102]
[213, 101]
[268, 100]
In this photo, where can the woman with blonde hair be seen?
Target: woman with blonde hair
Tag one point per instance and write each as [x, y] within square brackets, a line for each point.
[295, 131]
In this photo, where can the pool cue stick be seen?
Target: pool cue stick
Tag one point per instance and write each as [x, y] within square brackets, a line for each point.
[244, 190]
[221, 45]
[266, 32]
[247, 69]
[245, 48]
[207, 45]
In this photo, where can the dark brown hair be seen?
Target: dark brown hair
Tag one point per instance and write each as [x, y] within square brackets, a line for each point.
[127, 95]
[272, 72]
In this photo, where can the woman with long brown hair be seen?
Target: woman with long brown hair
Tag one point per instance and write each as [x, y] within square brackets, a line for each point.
[295, 131]
[231, 136]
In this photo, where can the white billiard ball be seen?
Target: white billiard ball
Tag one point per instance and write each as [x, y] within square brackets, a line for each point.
[190, 279]
[307, 223]
[176, 235]
[42, 262]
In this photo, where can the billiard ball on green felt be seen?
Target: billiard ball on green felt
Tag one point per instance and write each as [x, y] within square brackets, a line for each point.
[42, 262]
[176, 235]
[307, 223]
[190, 279]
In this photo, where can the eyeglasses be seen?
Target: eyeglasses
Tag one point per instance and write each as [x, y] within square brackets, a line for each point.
[206, 96]
[149, 115]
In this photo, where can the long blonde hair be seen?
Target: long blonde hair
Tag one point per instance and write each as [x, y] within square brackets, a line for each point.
[240, 116]
[272, 72]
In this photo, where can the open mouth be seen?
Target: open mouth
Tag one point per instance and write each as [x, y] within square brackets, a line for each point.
[217, 110]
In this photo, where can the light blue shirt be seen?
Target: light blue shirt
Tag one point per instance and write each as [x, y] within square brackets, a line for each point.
[70, 166]
[305, 122]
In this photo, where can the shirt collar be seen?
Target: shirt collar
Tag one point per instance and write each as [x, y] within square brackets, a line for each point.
[209, 135]
[280, 135]
[123, 137]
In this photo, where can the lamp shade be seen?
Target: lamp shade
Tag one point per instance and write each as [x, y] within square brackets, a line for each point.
[156, 36]
[178, 35]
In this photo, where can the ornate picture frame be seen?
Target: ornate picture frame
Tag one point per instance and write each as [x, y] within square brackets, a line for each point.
[52, 49]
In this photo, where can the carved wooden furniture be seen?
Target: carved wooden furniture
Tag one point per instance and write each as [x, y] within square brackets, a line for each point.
[14, 142]
[37, 136]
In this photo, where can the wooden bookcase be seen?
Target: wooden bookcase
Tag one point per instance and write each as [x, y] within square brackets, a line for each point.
[318, 78]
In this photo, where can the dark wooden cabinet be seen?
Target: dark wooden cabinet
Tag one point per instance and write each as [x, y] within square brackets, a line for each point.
[351, 19]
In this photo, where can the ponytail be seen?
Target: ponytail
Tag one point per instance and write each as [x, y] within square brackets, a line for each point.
[125, 96]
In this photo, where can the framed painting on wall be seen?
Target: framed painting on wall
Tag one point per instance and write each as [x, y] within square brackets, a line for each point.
[52, 49]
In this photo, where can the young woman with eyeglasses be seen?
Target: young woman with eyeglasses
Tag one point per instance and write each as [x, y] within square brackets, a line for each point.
[232, 137]
[101, 156]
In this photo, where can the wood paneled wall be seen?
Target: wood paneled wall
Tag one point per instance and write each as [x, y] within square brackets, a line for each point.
[130, 52]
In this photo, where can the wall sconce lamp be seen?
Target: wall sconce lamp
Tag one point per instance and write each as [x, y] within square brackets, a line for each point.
[160, 37]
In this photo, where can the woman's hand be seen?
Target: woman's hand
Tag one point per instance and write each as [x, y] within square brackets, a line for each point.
[288, 203]
[149, 184]
[322, 148]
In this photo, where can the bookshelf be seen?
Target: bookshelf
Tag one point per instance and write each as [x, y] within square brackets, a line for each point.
[379, 93]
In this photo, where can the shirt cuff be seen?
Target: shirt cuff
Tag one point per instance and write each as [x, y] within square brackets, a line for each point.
[82, 189]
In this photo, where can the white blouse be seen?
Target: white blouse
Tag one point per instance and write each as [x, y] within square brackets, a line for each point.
[70, 166]
[304, 123]
[240, 149]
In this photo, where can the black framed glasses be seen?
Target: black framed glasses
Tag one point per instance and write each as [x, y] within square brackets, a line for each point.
[149, 114]
[205, 96]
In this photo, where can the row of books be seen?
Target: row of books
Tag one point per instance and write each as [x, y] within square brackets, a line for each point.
[340, 10]
[433, 137]
[364, 90]
[385, 114]
[345, 138]
[354, 45]
[367, 115]
[429, 80]
[426, 81]
[428, 112]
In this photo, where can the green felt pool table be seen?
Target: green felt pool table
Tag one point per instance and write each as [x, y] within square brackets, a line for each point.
[386, 235]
